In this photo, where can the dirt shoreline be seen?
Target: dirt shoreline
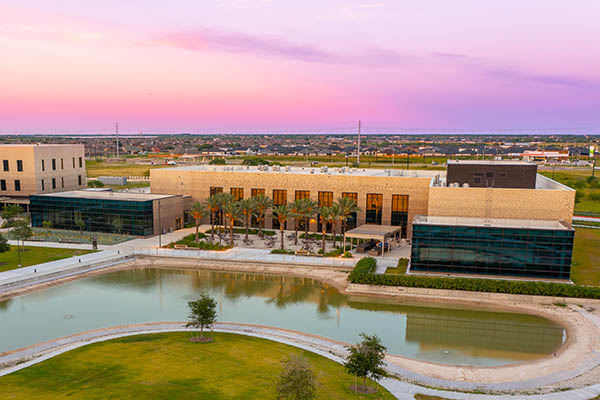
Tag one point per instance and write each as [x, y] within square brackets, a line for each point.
[582, 334]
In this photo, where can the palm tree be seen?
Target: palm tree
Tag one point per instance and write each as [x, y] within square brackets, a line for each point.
[297, 211]
[224, 199]
[232, 211]
[198, 211]
[347, 207]
[248, 208]
[213, 203]
[325, 217]
[310, 209]
[336, 213]
[263, 203]
[283, 213]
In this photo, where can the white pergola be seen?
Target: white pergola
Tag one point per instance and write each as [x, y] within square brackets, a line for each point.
[383, 233]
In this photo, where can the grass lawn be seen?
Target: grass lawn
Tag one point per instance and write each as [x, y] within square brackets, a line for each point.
[169, 366]
[35, 255]
[586, 257]
[102, 168]
[130, 185]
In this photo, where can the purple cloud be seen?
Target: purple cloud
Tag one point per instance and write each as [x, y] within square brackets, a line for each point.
[555, 80]
[233, 42]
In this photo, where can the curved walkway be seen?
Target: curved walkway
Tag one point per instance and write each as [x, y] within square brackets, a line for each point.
[333, 350]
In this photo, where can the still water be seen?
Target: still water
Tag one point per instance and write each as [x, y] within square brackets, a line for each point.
[442, 334]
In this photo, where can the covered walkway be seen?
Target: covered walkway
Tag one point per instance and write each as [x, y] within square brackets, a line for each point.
[386, 234]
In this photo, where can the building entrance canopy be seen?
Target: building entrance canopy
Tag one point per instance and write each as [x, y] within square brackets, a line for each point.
[372, 231]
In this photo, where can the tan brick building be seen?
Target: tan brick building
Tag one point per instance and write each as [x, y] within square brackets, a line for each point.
[386, 197]
[28, 169]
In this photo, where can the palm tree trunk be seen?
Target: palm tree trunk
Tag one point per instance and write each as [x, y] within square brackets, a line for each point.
[296, 230]
[247, 222]
[281, 228]
[231, 232]
[306, 227]
[196, 229]
[323, 231]
[333, 229]
[212, 226]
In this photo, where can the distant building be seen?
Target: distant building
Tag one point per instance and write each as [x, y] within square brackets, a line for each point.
[139, 214]
[531, 155]
[40, 168]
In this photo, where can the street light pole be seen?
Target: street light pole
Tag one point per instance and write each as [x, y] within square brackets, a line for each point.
[159, 227]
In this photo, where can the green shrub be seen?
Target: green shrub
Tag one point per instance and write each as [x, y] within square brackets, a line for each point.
[242, 231]
[189, 241]
[364, 268]
[364, 273]
[282, 251]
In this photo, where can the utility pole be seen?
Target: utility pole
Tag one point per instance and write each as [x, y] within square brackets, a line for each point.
[159, 227]
[358, 147]
[117, 131]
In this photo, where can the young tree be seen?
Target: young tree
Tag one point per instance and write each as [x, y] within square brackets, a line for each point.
[248, 209]
[203, 313]
[81, 224]
[283, 213]
[21, 231]
[117, 223]
[297, 381]
[95, 184]
[198, 211]
[4, 246]
[366, 359]
[263, 203]
[232, 212]
[47, 225]
[324, 217]
[10, 213]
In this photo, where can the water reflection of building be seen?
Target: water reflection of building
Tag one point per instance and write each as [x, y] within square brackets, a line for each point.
[475, 332]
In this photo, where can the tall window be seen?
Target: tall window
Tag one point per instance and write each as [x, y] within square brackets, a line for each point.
[62, 164]
[237, 193]
[279, 198]
[374, 208]
[73, 162]
[43, 165]
[5, 165]
[352, 218]
[53, 183]
[214, 190]
[325, 200]
[43, 186]
[54, 164]
[20, 165]
[17, 185]
[80, 162]
[79, 180]
[302, 194]
[400, 211]
[3, 184]
[62, 182]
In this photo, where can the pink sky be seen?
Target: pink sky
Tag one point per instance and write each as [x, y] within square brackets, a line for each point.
[71, 66]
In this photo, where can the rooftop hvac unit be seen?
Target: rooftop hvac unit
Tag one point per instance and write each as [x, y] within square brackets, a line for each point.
[465, 185]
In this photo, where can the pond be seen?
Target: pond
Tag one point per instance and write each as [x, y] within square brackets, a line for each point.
[439, 333]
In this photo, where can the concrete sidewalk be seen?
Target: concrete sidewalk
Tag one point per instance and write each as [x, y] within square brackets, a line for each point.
[56, 245]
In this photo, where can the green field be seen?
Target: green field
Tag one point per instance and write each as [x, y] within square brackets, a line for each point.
[103, 168]
[35, 255]
[586, 257]
[169, 366]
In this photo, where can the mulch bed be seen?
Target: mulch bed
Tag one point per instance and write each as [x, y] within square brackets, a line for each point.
[201, 339]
